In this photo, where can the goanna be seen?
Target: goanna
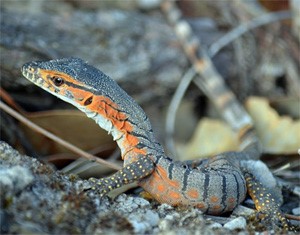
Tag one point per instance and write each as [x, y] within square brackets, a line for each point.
[215, 185]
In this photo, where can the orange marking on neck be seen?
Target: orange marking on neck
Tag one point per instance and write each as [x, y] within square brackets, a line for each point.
[100, 104]
[109, 110]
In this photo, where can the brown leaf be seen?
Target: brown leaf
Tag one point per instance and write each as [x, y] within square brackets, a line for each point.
[279, 134]
[210, 137]
[70, 125]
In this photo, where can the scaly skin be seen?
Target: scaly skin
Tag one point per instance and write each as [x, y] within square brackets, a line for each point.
[215, 185]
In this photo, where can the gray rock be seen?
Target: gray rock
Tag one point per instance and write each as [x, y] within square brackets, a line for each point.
[296, 211]
[148, 4]
[145, 49]
[238, 223]
[144, 221]
[243, 211]
[14, 178]
[215, 226]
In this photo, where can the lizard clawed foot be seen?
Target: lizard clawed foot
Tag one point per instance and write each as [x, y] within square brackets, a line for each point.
[267, 201]
[98, 186]
[268, 219]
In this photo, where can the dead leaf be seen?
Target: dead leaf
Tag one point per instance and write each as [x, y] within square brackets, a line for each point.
[278, 134]
[70, 125]
[210, 138]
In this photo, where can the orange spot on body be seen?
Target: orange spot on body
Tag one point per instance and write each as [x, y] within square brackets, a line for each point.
[231, 203]
[215, 210]
[174, 195]
[201, 205]
[214, 199]
[231, 200]
[151, 183]
[193, 193]
[160, 187]
[216, 207]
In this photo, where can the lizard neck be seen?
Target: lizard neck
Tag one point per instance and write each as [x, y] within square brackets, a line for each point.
[130, 127]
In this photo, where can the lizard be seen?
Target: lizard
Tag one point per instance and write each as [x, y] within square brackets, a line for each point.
[215, 185]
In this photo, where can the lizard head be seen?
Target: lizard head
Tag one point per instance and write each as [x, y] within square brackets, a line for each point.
[70, 79]
[98, 96]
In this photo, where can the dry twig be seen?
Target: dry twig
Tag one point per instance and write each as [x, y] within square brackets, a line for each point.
[53, 137]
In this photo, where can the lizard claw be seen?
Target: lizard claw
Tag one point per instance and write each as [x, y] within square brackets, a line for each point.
[97, 186]
[275, 217]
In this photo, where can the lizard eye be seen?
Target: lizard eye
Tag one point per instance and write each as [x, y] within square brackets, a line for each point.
[58, 81]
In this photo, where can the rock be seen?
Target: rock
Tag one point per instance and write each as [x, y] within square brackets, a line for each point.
[14, 179]
[148, 4]
[296, 191]
[127, 54]
[144, 221]
[296, 211]
[238, 223]
[215, 226]
[243, 211]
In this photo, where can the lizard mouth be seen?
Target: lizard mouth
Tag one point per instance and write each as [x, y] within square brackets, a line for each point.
[31, 72]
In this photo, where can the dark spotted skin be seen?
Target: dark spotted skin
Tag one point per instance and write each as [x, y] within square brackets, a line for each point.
[214, 185]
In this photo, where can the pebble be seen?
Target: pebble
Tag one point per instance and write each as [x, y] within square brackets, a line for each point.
[142, 222]
[297, 190]
[215, 226]
[15, 178]
[237, 223]
[148, 4]
[243, 211]
[296, 211]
